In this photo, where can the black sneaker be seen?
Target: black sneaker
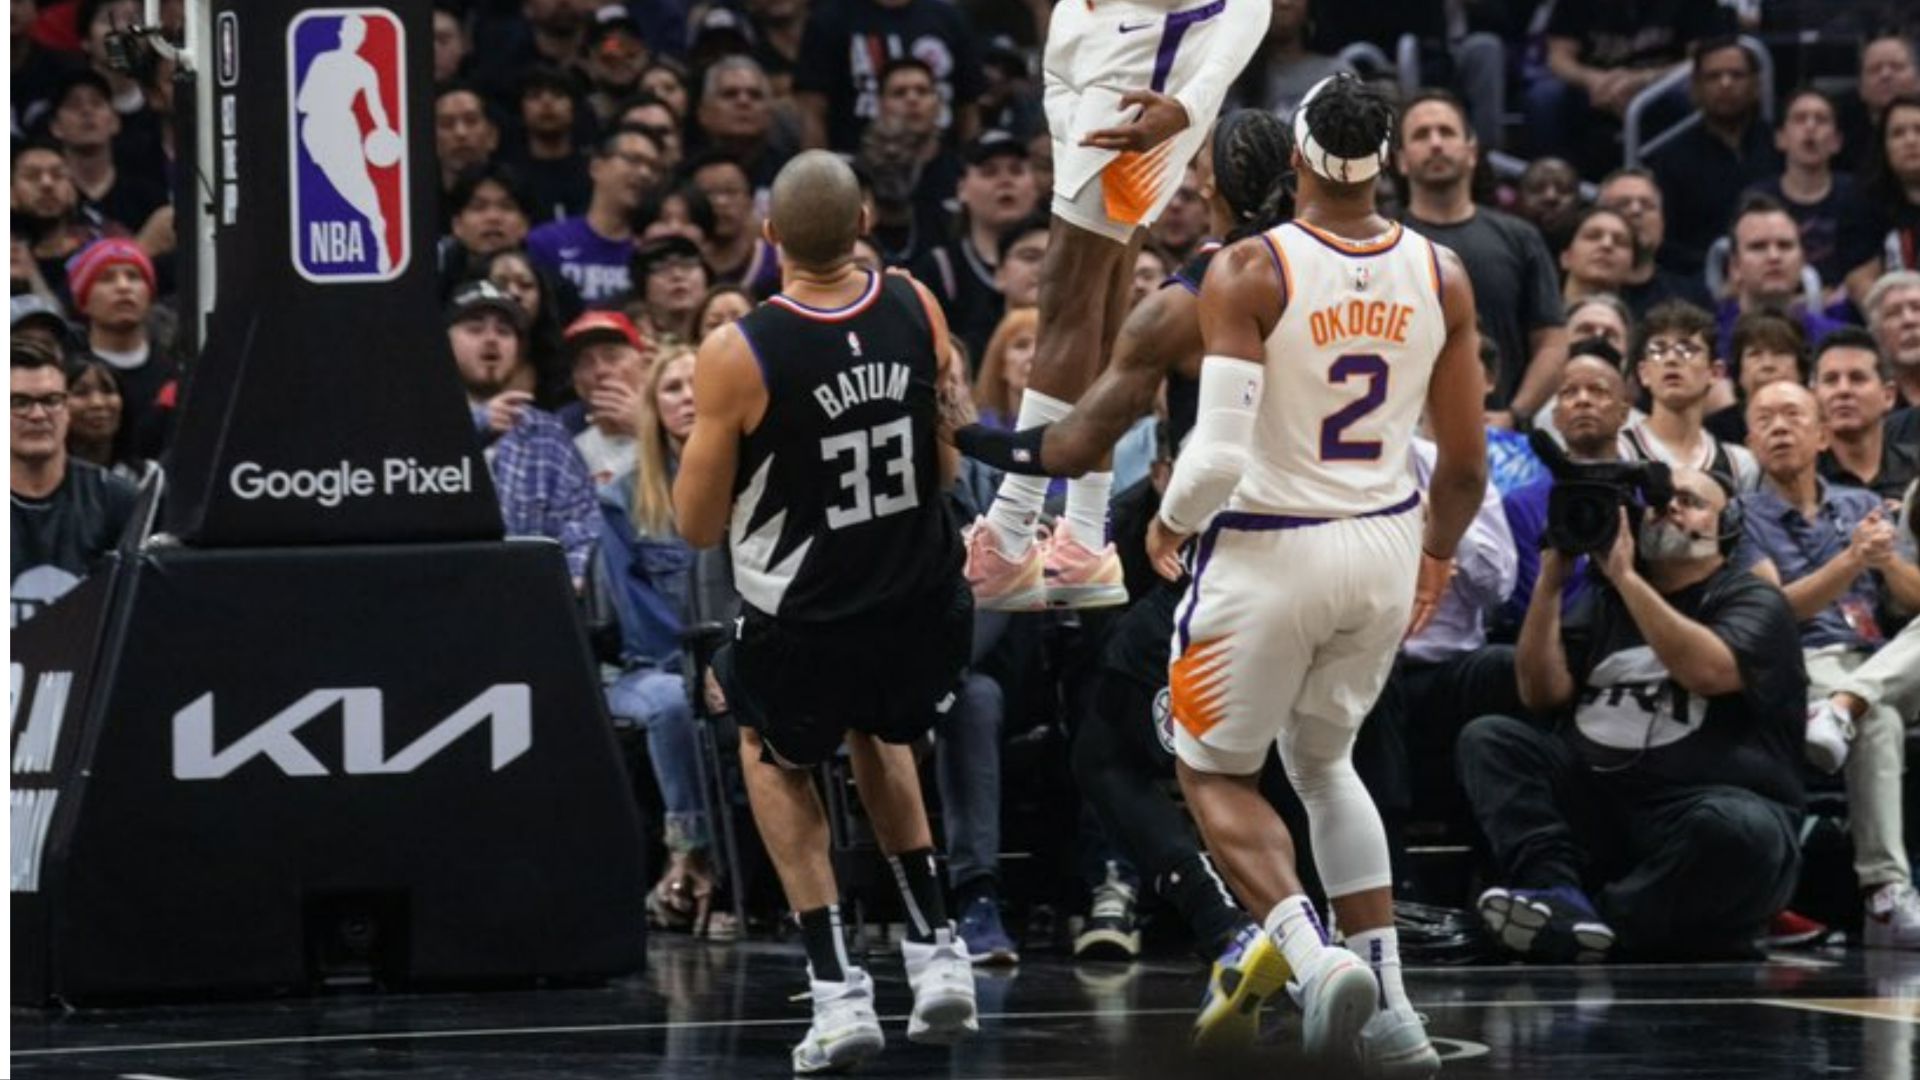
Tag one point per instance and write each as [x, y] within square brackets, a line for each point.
[1554, 926]
[1110, 932]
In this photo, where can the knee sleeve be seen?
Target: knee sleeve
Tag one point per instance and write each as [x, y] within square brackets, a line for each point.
[1349, 843]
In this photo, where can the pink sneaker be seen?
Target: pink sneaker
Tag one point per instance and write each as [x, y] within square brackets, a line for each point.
[1000, 583]
[1079, 577]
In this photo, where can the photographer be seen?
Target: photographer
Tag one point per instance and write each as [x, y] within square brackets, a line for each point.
[1674, 791]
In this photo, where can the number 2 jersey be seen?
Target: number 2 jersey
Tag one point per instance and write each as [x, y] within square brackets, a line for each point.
[837, 508]
[1347, 368]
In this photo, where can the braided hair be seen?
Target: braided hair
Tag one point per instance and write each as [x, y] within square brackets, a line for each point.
[1350, 119]
[1252, 168]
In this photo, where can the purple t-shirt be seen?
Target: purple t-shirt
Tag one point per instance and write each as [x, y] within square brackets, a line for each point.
[596, 265]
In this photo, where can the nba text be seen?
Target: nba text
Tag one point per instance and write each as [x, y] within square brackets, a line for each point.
[867, 382]
[1374, 320]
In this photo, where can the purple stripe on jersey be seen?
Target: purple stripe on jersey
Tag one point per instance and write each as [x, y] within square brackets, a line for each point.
[1177, 279]
[1178, 24]
[1439, 289]
[1202, 556]
[766, 377]
[1247, 522]
[1279, 267]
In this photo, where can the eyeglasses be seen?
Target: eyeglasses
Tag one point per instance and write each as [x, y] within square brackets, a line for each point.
[24, 404]
[1677, 351]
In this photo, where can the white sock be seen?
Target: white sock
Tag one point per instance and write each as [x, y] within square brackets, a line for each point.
[1016, 508]
[1295, 927]
[1087, 508]
[1381, 950]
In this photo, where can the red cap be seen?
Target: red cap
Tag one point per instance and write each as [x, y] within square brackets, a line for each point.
[600, 325]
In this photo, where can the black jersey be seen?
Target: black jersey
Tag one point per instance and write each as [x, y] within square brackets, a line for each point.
[57, 540]
[837, 507]
[1183, 394]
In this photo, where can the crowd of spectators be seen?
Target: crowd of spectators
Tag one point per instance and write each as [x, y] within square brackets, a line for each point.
[1629, 737]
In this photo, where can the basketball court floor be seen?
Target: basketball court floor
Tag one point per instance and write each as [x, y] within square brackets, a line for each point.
[731, 1010]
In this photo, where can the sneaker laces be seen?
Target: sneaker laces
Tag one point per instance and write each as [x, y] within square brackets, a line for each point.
[1112, 900]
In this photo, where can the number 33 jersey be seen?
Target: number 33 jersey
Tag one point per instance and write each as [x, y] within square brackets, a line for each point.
[1347, 372]
[837, 509]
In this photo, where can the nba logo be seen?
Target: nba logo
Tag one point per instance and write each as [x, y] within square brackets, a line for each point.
[346, 86]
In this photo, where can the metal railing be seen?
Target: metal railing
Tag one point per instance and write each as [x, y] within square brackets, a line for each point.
[1637, 148]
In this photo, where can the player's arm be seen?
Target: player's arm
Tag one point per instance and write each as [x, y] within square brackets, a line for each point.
[1240, 301]
[727, 391]
[947, 370]
[1460, 470]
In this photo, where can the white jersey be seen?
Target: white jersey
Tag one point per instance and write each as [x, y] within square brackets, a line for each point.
[1346, 378]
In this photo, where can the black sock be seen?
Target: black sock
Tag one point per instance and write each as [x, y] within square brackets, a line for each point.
[1196, 891]
[919, 885]
[826, 945]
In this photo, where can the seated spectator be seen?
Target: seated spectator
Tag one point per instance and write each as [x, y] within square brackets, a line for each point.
[1834, 551]
[1603, 316]
[1510, 460]
[611, 369]
[722, 304]
[1703, 171]
[1600, 56]
[647, 576]
[1599, 256]
[1004, 367]
[1891, 677]
[1854, 385]
[616, 54]
[542, 484]
[38, 71]
[464, 135]
[1151, 269]
[451, 42]
[996, 190]
[736, 250]
[1664, 819]
[1893, 312]
[1889, 68]
[139, 145]
[910, 105]
[1022, 250]
[490, 210]
[553, 166]
[1636, 196]
[1766, 269]
[1550, 200]
[86, 125]
[1896, 191]
[550, 304]
[736, 118]
[67, 513]
[48, 214]
[651, 115]
[1676, 363]
[1284, 69]
[94, 412]
[836, 82]
[1835, 218]
[525, 35]
[678, 211]
[1589, 410]
[1767, 347]
[36, 318]
[593, 251]
[666, 80]
[670, 277]
[1182, 228]
[113, 289]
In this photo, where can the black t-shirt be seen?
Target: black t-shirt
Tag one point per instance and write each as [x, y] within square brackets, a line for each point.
[1837, 232]
[1516, 288]
[848, 42]
[559, 187]
[1701, 179]
[58, 539]
[1634, 725]
[1666, 285]
[129, 202]
[1635, 33]
[964, 283]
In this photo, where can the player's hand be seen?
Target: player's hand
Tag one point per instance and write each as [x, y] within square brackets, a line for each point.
[505, 409]
[1428, 589]
[1618, 563]
[1163, 549]
[1161, 118]
[614, 407]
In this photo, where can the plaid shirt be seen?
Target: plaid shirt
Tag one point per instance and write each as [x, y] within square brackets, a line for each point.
[543, 486]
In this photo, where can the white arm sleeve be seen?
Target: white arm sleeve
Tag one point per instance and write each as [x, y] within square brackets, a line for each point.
[1230, 47]
[1216, 452]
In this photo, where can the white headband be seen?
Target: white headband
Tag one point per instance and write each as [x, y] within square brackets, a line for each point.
[1327, 165]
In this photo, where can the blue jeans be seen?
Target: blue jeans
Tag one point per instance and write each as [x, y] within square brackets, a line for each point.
[656, 701]
[967, 767]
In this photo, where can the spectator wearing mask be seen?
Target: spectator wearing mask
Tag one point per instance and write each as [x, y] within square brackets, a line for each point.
[1661, 815]
[1636, 196]
[554, 167]
[996, 191]
[1889, 68]
[1767, 347]
[543, 486]
[113, 287]
[737, 250]
[669, 279]
[1766, 270]
[86, 125]
[1835, 218]
[593, 251]
[1834, 551]
[1893, 313]
[736, 118]
[1703, 171]
[1854, 385]
[67, 513]
[1514, 283]
[464, 136]
[611, 365]
[847, 42]
[1599, 256]
[490, 208]
[1677, 366]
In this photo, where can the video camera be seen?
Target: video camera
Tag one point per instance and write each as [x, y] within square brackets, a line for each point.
[137, 51]
[1583, 509]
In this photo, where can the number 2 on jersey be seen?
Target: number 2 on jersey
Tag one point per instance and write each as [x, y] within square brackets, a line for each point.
[892, 444]
[1334, 446]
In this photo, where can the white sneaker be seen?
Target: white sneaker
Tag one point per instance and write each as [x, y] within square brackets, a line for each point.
[845, 1031]
[941, 975]
[1339, 998]
[1394, 1043]
[1893, 917]
[1829, 732]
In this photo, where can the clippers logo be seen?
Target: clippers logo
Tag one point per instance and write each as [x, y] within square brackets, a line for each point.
[346, 80]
